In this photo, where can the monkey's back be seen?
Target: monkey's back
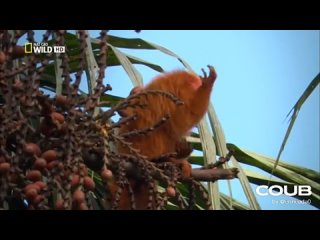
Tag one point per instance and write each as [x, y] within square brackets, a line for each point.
[162, 140]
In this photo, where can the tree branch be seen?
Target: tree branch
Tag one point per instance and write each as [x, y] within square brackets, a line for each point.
[198, 174]
[213, 174]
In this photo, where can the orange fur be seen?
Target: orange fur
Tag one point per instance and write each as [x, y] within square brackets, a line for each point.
[194, 92]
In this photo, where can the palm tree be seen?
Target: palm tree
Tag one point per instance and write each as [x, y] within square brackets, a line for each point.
[53, 73]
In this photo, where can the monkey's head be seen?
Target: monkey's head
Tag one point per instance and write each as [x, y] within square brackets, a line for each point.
[193, 90]
[179, 82]
[175, 82]
[184, 84]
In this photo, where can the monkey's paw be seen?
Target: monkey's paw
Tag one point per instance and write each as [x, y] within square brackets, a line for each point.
[185, 167]
[183, 149]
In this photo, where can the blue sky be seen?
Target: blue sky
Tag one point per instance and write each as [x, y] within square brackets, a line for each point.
[261, 75]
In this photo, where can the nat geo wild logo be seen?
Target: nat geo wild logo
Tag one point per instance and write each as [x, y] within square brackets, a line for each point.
[42, 48]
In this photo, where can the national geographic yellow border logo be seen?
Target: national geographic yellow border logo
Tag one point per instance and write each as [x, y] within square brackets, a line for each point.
[28, 47]
[42, 48]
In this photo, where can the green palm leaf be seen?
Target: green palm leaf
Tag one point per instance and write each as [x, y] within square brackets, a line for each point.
[296, 108]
